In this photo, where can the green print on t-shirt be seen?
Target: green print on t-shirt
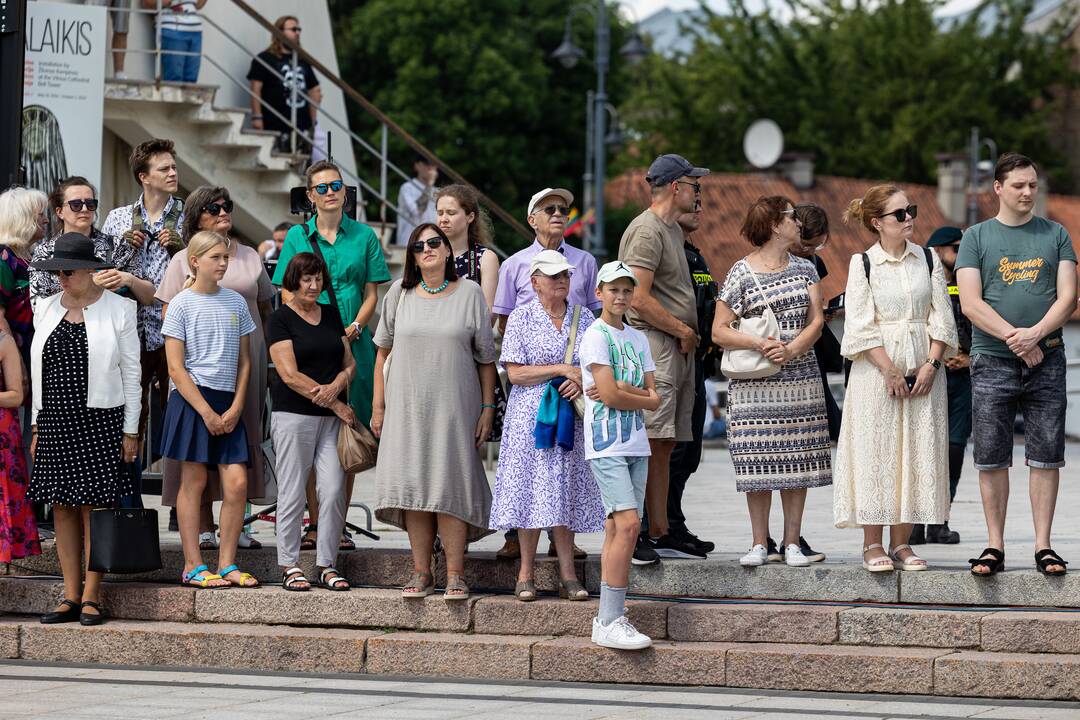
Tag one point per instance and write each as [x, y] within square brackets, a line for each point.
[608, 424]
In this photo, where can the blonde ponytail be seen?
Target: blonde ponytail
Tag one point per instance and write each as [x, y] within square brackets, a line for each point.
[201, 243]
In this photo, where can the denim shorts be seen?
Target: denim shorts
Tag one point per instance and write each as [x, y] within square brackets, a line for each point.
[1001, 385]
[622, 482]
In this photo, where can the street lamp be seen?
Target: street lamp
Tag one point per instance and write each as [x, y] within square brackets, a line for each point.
[568, 54]
[978, 171]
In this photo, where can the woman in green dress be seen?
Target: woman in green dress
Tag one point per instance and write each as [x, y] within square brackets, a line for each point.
[354, 257]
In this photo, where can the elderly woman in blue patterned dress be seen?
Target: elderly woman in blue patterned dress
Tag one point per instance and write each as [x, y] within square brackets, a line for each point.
[778, 428]
[544, 488]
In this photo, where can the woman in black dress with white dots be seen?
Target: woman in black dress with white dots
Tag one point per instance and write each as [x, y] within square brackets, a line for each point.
[82, 433]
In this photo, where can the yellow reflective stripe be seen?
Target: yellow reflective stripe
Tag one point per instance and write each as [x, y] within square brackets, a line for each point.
[954, 290]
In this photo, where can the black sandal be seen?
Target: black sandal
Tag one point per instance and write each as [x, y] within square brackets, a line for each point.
[1047, 557]
[88, 619]
[74, 608]
[307, 543]
[995, 563]
[293, 580]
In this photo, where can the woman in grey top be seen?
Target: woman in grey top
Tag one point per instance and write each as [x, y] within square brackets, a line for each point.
[434, 410]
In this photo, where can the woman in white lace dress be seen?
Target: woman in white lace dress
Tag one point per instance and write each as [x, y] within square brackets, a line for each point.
[892, 458]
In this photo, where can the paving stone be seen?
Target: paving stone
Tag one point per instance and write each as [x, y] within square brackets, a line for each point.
[131, 600]
[1031, 632]
[1036, 676]
[665, 663]
[359, 607]
[451, 655]
[710, 578]
[1018, 588]
[832, 668]
[737, 622]
[10, 629]
[128, 642]
[552, 616]
[909, 627]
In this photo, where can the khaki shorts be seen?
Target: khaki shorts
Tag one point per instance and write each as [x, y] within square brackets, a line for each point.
[673, 420]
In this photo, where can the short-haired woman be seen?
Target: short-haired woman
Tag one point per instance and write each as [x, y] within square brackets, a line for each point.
[211, 208]
[22, 223]
[354, 258]
[83, 431]
[314, 368]
[434, 410]
[778, 433]
[892, 461]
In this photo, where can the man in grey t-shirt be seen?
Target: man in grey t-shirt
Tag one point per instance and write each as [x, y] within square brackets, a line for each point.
[1017, 279]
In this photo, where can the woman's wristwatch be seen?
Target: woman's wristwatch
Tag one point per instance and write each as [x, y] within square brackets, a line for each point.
[935, 363]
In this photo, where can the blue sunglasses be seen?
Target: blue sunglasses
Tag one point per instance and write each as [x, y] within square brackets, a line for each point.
[334, 186]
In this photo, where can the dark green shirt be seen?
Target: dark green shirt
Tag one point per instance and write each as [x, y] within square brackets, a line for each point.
[1019, 273]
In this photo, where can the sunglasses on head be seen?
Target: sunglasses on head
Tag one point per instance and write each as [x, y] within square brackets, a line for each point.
[911, 211]
[215, 208]
[333, 186]
[78, 205]
[552, 209]
[432, 243]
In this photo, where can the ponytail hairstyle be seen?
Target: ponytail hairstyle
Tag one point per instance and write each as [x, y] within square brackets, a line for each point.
[480, 230]
[870, 206]
[201, 243]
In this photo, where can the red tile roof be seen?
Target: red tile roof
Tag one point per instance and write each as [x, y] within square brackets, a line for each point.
[726, 197]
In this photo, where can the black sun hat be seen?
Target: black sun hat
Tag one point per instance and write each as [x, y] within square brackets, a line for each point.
[72, 251]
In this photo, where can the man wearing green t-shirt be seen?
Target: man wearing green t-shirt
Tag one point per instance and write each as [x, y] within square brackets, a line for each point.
[1017, 279]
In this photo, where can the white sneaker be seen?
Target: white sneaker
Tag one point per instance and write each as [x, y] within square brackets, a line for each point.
[245, 541]
[757, 556]
[208, 538]
[794, 557]
[120, 75]
[620, 635]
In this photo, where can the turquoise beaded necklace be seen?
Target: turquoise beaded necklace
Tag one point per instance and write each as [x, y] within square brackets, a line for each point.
[434, 291]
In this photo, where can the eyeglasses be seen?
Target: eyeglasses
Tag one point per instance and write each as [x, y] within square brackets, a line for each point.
[552, 209]
[696, 186]
[78, 205]
[65, 273]
[333, 186]
[564, 275]
[791, 214]
[432, 243]
[215, 208]
[911, 211]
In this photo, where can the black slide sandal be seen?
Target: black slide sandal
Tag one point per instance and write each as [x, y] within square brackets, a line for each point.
[995, 563]
[1047, 557]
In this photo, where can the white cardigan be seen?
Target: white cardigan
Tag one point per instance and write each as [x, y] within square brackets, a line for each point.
[113, 348]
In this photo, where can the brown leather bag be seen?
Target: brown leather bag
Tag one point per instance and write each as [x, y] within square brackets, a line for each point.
[357, 448]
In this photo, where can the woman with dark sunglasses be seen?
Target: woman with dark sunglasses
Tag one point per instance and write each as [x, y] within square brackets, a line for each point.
[434, 410]
[210, 208]
[74, 203]
[892, 459]
[354, 258]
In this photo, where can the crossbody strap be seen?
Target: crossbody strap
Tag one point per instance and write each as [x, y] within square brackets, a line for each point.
[569, 356]
[313, 238]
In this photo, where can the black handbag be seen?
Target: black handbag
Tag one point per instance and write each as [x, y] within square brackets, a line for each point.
[124, 541]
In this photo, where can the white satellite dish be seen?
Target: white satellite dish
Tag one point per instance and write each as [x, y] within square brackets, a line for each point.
[763, 143]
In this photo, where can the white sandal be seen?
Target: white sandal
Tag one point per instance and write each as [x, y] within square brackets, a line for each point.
[879, 564]
[914, 562]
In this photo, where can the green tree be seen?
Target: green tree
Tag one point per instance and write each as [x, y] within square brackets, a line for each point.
[473, 81]
[873, 89]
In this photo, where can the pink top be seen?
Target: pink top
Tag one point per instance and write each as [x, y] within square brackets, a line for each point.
[246, 275]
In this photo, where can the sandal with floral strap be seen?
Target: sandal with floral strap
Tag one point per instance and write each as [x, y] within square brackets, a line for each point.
[244, 577]
[201, 578]
[456, 589]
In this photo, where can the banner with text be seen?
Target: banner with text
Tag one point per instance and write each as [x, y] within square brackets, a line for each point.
[63, 93]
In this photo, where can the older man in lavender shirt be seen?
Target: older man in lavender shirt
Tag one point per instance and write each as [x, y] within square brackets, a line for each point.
[548, 212]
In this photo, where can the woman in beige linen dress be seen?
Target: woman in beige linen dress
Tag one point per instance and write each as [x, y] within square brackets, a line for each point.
[435, 410]
[892, 458]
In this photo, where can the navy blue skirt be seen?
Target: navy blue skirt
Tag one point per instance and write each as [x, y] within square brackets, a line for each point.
[185, 437]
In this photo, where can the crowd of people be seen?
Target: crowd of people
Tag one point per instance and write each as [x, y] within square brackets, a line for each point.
[601, 424]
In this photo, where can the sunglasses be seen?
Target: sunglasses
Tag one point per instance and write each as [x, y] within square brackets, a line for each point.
[291, 29]
[65, 273]
[696, 186]
[552, 209]
[564, 275]
[78, 205]
[911, 211]
[432, 243]
[791, 214]
[334, 186]
[215, 208]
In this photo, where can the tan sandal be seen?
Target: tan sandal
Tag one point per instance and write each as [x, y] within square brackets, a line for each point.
[417, 588]
[572, 590]
[878, 564]
[456, 589]
[913, 562]
[525, 590]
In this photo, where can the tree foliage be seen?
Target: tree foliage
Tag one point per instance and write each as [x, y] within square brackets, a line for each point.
[473, 81]
[875, 89]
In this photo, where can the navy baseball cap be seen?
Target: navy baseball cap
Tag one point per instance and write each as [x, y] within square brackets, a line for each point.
[945, 236]
[671, 167]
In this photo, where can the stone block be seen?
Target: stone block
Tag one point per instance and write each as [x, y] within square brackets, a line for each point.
[1031, 632]
[131, 600]
[738, 622]
[377, 567]
[710, 578]
[1018, 588]
[450, 655]
[126, 642]
[10, 630]
[30, 595]
[910, 627]
[665, 663]
[832, 668]
[360, 607]
[1008, 675]
[552, 616]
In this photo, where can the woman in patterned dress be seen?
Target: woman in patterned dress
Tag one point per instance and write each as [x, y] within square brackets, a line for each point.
[18, 533]
[554, 487]
[778, 429]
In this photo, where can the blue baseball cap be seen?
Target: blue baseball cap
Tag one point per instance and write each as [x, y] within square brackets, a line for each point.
[671, 167]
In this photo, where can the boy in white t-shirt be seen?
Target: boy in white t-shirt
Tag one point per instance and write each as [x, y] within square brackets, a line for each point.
[617, 374]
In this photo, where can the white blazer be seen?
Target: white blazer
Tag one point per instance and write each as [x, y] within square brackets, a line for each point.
[112, 343]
